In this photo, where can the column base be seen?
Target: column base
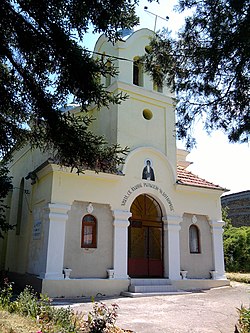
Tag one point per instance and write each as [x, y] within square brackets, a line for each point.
[51, 276]
[120, 277]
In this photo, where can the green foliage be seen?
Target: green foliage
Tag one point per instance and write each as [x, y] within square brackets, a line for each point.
[27, 304]
[244, 320]
[43, 64]
[237, 249]
[6, 293]
[236, 243]
[225, 218]
[5, 187]
[52, 319]
[208, 67]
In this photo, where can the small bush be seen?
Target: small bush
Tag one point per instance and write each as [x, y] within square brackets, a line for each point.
[27, 304]
[6, 294]
[65, 318]
[244, 320]
[102, 317]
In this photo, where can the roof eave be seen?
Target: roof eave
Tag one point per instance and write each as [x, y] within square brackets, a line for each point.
[199, 188]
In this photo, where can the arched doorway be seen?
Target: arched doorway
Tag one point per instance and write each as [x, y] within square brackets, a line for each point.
[145, 237]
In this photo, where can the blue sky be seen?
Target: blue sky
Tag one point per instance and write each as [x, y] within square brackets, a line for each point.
[214, 158]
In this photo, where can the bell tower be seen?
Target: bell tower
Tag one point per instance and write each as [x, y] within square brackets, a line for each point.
[147, 117]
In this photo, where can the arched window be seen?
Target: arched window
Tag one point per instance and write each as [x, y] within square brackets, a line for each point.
[194, 239]
[20, 207]
[137, 72]
[89, 232]
[157, 87]
[108, 76]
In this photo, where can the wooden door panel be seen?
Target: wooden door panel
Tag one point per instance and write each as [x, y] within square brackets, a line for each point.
[138, 267]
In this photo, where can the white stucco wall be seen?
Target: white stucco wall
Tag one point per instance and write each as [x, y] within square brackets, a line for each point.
[89, 262]
[198, 265]
[24, 161]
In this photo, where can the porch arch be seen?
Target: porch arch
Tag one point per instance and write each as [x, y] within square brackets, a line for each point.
[145, 238]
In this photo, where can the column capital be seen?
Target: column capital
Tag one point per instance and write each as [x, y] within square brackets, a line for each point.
[121, 215]
[172, 222]
[172, 219]
[57, 211]
[59, 207]
[216, 226]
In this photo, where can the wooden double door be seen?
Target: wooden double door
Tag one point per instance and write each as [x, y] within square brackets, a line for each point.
[145, 249]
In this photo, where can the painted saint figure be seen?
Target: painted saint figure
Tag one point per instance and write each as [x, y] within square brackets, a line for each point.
[148, 172]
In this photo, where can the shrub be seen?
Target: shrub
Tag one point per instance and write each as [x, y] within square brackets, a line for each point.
[237, 249]
[27, 304]
[102, 317]
[244, 320]
[51, 319]
[6, 294]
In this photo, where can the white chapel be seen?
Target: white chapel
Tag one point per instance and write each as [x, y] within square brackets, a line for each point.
[152, 226]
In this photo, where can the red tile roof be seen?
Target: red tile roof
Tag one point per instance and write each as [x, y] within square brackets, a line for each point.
[185, 177]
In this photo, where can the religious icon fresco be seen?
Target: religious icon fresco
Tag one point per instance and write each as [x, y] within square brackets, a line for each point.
[148, 171]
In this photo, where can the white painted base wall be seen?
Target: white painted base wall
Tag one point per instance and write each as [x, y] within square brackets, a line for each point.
[198, 284]
[110, 287]
[84, 287]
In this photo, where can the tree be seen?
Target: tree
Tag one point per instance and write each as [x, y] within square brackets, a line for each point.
[236, 244]
[43, 63]
[225, 218]
[207, 66]
[5, 187]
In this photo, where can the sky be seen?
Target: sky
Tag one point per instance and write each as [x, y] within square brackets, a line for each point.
[214, 158]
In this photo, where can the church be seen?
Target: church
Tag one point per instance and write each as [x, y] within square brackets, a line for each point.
[152, 227]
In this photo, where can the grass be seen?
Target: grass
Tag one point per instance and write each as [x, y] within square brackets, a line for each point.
[13, 323]
[239, 277]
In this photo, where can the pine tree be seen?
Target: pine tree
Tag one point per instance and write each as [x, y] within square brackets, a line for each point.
[43, 64]
[207, 66]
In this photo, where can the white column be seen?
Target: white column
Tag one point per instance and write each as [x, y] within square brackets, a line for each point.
[56, 218]
[218, 253]
[120, 255]
[172, 239]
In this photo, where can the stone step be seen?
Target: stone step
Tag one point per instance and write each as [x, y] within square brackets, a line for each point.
[146, 282]
[169, 293]
[151, 288]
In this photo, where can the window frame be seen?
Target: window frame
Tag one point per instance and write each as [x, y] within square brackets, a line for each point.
[93, 224]
[158, 88]
[194, 238]
[108, 76]
[137, 72]
[20, 207]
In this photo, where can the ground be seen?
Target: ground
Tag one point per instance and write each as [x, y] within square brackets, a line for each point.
[210, 311]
